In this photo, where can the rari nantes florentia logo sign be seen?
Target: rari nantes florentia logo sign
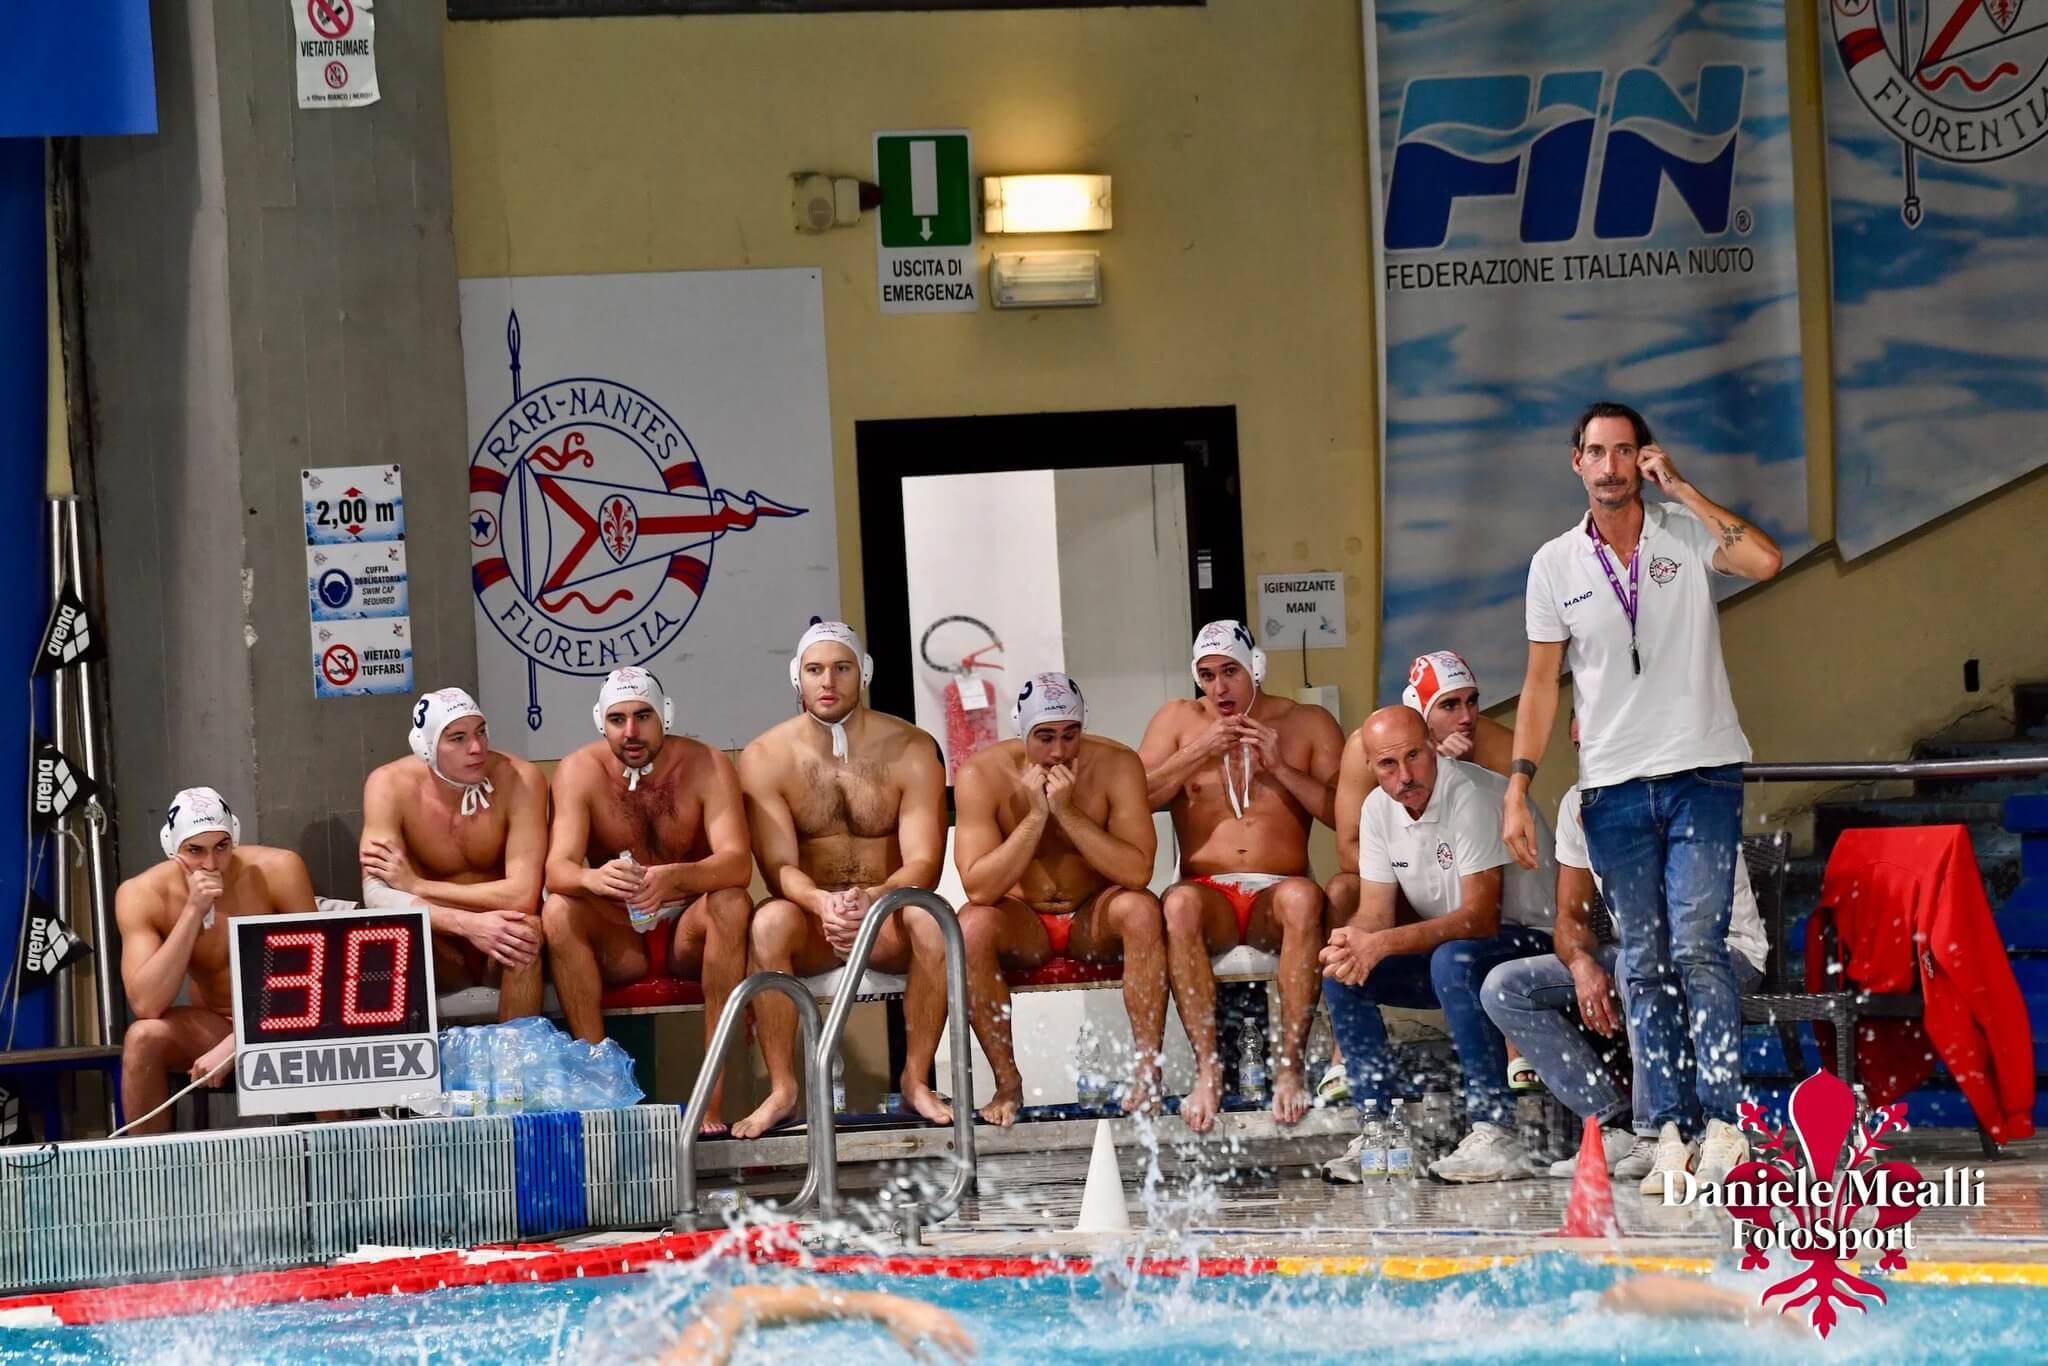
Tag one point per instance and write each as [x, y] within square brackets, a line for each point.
[1819, 1195]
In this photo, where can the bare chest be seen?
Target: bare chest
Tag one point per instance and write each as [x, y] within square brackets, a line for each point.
[660, 821]
[446, 844]
[844, 799]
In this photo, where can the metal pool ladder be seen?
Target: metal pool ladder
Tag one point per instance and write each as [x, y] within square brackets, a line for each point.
[821, 1045]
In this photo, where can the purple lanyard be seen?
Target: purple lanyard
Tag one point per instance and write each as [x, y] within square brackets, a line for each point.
[1628, 600]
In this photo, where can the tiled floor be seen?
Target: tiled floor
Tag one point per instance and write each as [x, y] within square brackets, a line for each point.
[1262, 1195]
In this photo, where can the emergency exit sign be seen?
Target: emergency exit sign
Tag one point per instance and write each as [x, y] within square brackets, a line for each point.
[925, 230]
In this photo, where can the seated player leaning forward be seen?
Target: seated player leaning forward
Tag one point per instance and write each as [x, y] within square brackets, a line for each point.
[1054, 844]
[1533, 1000]
[174, 926]
[1426, 832]
[844, 804]
[463, 829]
[648, 827]
[1445, 692]
[1246, 775]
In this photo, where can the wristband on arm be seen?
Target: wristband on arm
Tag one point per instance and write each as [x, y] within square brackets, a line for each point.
[1525, 768]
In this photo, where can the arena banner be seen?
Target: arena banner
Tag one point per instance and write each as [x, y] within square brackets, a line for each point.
[650, 480]
[1578, 201]
[1938, 197]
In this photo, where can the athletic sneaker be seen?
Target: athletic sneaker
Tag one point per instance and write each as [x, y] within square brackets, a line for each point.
[1334, 1088]
[1673, 1155]
[1721, 1151]
[1616, 1144]
[1640, 1159]
[1489, 1153]
[1342, 1170]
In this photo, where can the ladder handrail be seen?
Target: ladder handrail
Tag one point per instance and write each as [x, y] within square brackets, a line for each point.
[827, 1044]
[817, 1097]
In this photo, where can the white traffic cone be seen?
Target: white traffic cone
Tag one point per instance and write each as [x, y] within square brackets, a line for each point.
[1102, 1199]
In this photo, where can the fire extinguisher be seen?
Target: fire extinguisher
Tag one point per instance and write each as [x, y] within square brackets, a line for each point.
[969, 699]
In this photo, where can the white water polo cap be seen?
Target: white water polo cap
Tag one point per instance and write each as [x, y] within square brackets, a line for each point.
[432, 714]
[1233, 641]
[197, 811]
[629, 684]
[1434, 674]
[1048, 697]
[837, 633]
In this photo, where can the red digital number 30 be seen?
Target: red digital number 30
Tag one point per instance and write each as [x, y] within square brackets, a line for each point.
[353, 1014]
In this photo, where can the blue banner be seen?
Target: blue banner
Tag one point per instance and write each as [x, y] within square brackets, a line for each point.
[76, 68]
[1938, 196]
[1579, 201]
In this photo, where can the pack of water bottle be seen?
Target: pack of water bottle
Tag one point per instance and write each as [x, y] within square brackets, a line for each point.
[1389, 1149]
[526, 1066]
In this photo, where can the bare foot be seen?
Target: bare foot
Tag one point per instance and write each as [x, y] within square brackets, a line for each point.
[713, 1128]
[1003, 1106]
[1198, 1107]
[1142, 1096]
[779, 1106]
[921, 1099]
[1290, 1096]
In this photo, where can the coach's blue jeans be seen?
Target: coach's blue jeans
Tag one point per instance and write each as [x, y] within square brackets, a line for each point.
[1665, 848]
[1536, 1003]
[1447, 977]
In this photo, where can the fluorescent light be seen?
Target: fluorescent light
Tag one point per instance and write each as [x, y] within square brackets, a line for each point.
[1045, 279]
[1045, 203]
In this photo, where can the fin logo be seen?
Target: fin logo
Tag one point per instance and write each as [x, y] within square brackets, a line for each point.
[1476, 137]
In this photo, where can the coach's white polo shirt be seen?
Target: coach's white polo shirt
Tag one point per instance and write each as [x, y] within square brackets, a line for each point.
[1678, 714]
[1458, 834]
[1745, 921]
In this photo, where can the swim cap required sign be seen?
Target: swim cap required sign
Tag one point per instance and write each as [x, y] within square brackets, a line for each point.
[351, 582]
[924, 231]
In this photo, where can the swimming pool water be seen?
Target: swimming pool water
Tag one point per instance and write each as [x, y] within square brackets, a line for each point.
[1540, 1310]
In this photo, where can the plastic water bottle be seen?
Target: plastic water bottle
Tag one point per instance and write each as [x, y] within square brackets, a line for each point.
[458, 1070]
[1400, 1146]
[1372, 1157]
[1091, 1072]
[508, 1071]
[838, 1084]
[1253, 1083]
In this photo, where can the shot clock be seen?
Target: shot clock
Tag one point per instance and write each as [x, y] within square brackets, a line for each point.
[333, 1011]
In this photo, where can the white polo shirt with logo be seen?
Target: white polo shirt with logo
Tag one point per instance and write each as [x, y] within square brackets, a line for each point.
[1457, 835]
[1745, 921]
[1678, 714]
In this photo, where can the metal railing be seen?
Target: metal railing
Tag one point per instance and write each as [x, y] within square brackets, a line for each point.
[911, 1215]
[1875, 770]
[818, 1098]
[821, 1183]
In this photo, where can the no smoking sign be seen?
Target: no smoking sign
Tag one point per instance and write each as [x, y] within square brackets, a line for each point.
[335, 53]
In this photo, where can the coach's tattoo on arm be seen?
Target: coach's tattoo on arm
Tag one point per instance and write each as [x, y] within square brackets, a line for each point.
[1731, 532]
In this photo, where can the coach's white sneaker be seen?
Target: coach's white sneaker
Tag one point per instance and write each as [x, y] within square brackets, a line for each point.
[1673, 1155]
[1721, 1151]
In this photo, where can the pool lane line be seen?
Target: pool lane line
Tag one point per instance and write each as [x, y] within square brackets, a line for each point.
[778, 1246]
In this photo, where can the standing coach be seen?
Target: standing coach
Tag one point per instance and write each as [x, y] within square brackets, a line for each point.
[1624, 600]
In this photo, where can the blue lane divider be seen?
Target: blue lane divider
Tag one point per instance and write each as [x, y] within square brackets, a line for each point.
[547, 1168]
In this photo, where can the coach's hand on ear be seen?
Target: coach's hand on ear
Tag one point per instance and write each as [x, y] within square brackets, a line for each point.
[1656, 467]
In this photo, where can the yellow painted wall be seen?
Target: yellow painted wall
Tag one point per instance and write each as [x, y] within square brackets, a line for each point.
[1236, 273]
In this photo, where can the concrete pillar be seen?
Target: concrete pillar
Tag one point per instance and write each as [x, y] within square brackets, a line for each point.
[267, 288]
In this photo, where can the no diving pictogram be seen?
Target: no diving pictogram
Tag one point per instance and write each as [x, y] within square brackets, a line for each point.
[339, 665]
[331, 18]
